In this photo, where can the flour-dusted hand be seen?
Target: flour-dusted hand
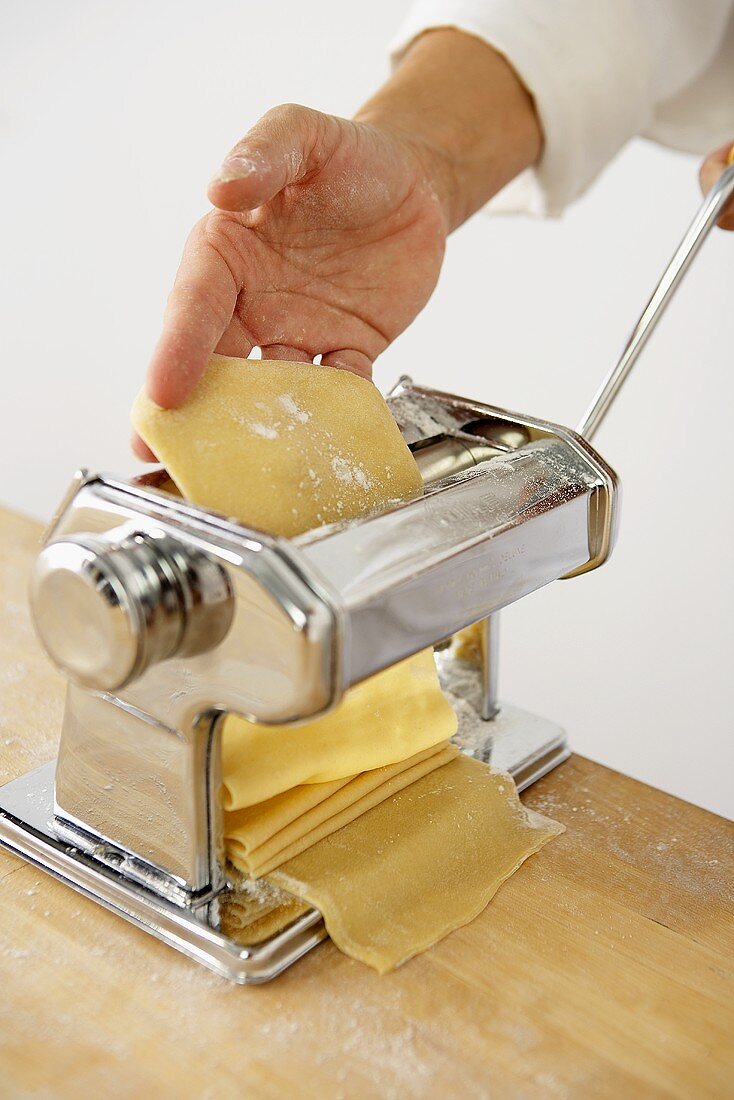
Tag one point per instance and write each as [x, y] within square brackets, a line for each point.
[327, 234]
[327, 238]
[711, 169]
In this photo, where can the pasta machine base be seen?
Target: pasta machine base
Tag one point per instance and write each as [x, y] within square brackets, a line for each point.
[229, 934]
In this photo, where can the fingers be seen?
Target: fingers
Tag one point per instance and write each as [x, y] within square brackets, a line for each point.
[710, 171]
[287, 144]
[199, 311]
[349, 359]
[236, 341]
[286, 353]
[141, 450]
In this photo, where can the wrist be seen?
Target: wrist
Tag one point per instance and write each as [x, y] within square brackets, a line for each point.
[465, 113]
[437, 165]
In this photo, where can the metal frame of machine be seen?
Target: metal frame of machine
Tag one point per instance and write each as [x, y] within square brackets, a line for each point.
[206, 616]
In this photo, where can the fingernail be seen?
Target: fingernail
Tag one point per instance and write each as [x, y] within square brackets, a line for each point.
[235, 168]
[709, 175]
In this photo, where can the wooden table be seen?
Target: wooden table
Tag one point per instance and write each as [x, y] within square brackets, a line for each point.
[604, 967]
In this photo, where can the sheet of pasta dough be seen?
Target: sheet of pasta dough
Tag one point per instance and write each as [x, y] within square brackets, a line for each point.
[401, 877]
[284, 447]
[255, 854]
[381, 721]
[256, 825]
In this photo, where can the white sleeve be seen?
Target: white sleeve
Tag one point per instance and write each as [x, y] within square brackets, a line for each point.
[601, 72]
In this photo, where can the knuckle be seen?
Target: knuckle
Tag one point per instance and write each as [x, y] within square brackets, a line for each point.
[287, 110]
[197, 234]
[222, 233]
[291, 115]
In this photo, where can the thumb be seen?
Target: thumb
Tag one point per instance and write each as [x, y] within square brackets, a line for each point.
[714, 164]
[288, 144]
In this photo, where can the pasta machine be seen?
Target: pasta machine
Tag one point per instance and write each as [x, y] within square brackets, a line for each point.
[165, 617]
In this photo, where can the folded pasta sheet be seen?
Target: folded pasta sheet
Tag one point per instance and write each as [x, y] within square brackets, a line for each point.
[384, 720]
[263, 837]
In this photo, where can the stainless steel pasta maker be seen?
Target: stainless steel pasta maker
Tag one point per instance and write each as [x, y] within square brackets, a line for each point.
[165, 617]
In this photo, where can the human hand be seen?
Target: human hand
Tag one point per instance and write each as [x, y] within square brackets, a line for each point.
[710, 171]
[327, 238]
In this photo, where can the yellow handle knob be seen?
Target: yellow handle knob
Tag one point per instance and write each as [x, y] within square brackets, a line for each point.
[730, 156]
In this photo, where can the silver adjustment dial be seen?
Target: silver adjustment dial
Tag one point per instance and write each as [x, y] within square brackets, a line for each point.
[107, 607]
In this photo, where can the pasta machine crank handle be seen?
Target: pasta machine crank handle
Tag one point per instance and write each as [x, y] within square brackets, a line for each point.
[706, 217]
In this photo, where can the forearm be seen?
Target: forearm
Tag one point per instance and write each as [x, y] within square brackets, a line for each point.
[466, 112]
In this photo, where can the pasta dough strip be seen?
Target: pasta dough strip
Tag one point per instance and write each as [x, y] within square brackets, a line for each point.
[352, 800]
[401, 877]
[382, 721]
[285, 447]
[427, 858]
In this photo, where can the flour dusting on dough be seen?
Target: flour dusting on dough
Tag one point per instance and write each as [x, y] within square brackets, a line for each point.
[293, 409]
[262, 430]
[300, 445]
[350, 474]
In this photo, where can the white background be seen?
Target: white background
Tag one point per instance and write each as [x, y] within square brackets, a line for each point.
[113, 119]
